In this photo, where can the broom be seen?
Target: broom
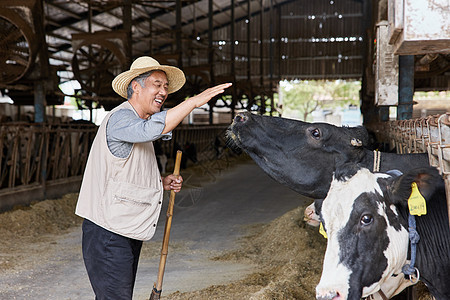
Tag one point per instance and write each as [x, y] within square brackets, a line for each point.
[157, 287]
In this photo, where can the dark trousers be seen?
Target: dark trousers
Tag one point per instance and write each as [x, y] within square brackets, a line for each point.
[111, 262]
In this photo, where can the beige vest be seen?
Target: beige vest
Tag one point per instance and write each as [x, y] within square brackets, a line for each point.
[122, 195]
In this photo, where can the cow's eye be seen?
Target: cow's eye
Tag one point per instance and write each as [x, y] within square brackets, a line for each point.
[315, 133]
[366, 220]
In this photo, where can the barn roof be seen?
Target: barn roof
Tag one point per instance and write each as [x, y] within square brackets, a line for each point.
[252, 43]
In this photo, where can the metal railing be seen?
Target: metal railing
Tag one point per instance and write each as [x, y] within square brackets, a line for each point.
[429, 135]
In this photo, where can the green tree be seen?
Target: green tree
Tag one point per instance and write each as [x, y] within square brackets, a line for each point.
[305, 97]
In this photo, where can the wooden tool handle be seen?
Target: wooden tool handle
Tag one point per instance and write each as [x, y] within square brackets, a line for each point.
[165, 245]
[176, 169]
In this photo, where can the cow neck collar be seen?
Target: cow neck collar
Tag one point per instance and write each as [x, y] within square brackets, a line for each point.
[414, 237]
[376, 160]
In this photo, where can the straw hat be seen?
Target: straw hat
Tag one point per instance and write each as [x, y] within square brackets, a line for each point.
[144, 64]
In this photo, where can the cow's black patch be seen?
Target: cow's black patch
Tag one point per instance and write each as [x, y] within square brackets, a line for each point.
[362, 246]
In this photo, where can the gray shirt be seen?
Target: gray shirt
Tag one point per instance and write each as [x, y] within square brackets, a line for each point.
[125, 128]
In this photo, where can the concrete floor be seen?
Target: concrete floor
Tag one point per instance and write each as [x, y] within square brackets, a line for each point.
[207, 222]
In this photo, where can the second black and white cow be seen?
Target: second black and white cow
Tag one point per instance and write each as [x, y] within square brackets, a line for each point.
[365, 216]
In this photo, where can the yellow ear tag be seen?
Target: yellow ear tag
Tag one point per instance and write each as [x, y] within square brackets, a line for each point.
[322, 231]
[416, 202]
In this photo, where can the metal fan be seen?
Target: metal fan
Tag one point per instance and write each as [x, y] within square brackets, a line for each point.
[95, 65]
[15, 54]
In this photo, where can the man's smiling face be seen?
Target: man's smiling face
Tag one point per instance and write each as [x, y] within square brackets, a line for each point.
[153, 95]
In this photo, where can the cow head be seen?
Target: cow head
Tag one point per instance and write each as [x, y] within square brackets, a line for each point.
[364, 215]
[300, 155]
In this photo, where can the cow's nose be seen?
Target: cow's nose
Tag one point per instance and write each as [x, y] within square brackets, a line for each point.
[240, 117]
[327, 296]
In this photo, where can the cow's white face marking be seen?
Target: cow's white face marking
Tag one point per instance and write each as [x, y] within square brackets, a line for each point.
[341, 213]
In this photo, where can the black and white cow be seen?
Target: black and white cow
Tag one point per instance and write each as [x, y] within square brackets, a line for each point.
[365, 216]
[303, 156]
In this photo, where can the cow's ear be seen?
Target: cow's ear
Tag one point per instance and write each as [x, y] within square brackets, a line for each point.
[345, 170]
[428, 180]
[359, 136]
[356, 142]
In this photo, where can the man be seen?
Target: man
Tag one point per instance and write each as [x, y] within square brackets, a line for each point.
[122, 190]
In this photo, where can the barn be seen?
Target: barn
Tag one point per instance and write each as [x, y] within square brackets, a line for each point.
[394, 48]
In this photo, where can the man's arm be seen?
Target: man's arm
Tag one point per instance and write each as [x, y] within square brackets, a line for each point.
[124, 129]
[176, 114]
[125, 126]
